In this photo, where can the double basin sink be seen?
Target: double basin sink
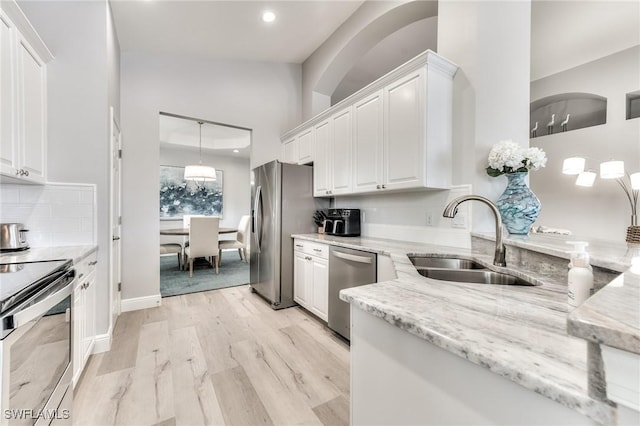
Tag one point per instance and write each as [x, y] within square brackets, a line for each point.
[463, 270]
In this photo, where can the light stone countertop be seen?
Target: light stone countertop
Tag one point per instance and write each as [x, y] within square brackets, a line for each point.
[517, 332]
[611, 316]
[605, 254]
[42, 254]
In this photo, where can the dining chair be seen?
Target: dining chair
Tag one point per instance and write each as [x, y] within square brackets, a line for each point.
[172, 248]
[203, 241]
[241, 240]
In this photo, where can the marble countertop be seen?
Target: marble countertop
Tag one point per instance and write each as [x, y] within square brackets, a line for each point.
[517, 332]
[41, 254]
[612, 316]
[605, 254]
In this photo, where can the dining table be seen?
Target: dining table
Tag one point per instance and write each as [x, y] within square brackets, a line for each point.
[184, 232]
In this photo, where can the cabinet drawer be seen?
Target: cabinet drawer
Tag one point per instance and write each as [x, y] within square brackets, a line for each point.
[86, 266]
[314, 249]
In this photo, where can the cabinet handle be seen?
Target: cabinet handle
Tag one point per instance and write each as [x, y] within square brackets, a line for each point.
[95, 262]
[308, 258]
[26, 172]
[299, 245]
[384, 186]
[81, 275]
[378, 186]
[318, 250]
[18, 172]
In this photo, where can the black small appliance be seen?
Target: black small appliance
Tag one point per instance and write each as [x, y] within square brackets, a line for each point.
[343, 222]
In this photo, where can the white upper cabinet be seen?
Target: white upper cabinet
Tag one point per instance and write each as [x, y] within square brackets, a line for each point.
[33, 126]
[305, 146]
[290, 151]
[395, 134]
[23, 89]
[341, 138]
[300, 148]
[322, 161]
[404, 130]
[367, 143]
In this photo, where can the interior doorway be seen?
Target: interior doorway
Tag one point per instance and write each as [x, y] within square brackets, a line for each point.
[224, 151]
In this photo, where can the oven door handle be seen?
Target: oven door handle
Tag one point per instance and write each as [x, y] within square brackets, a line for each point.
[41, 305]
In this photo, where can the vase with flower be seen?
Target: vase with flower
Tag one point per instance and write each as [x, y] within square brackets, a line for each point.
[518, 205]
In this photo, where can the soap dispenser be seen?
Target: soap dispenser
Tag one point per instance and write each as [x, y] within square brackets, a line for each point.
[580, 278]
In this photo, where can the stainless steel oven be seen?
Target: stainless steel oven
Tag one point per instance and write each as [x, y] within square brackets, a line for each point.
[35, 350]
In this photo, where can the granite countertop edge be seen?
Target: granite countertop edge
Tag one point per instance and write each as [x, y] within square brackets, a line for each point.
[43, 254]
[563, 393]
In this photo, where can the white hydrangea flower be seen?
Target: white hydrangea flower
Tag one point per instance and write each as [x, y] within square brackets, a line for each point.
[507, 157]
[536, 158]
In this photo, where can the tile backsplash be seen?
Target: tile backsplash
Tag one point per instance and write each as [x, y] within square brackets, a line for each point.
[413, 216]
[55, 214]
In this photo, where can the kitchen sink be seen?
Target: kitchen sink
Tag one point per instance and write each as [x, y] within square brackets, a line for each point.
[480, 276]
[444, 262]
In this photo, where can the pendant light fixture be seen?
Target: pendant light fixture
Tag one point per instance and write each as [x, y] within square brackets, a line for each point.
[197, 172]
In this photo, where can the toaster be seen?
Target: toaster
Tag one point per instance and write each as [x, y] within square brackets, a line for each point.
[13, 237]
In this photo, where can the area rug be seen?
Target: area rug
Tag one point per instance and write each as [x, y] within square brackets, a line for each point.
[173, 282]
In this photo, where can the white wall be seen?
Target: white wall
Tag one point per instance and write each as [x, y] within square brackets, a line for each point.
[264, 97]
[490, 41]
[602, 211]
[236, 183]
[78, 108]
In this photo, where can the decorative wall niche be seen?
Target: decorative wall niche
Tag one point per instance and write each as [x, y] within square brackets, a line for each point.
[633, 105]
[565, 112]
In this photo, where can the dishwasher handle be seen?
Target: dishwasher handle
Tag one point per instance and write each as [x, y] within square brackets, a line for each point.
[353, 257]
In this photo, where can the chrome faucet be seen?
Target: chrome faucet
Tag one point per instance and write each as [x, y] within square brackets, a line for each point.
[452, 209]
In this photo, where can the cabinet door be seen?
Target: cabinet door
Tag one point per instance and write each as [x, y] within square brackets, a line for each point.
[77, 315]
[90, 314]
[404, 132]
[341, 166]
[321, 287]
[8, 130]
[31, 98]
[290, 152]
[300, 278]
[322, 159]
[367, 143]
[305, 146]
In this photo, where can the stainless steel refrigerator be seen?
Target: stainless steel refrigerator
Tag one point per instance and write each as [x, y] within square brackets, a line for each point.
[282, 204]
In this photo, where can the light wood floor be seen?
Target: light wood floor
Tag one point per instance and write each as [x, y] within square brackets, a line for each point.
[218, 357]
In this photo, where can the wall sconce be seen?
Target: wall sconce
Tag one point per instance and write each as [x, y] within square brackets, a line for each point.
[610, 170]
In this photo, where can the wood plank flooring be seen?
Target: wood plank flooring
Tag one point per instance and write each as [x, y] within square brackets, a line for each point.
[221, 357]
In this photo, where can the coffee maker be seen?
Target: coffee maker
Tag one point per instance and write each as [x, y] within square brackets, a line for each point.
[343, 222]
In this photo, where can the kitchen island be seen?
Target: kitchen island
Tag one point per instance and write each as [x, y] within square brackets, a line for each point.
[514, 362]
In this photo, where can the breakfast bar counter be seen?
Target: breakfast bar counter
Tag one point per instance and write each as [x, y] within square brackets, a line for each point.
[516, 332]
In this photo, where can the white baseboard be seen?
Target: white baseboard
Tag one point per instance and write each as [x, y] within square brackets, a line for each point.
[102, 342]
[138, 303]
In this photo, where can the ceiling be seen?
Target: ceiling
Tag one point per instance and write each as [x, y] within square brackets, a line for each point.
[229, 29]
[217, 139]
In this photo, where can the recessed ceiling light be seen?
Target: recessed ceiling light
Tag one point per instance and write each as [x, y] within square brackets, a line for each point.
[268, 16]
[236, 151]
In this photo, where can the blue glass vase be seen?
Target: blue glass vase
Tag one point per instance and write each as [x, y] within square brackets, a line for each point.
[518, 206]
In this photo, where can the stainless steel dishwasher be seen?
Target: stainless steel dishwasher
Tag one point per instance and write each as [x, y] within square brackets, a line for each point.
[347, 268]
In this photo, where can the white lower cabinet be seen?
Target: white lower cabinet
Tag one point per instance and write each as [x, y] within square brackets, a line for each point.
[311, 277]
[83, 311]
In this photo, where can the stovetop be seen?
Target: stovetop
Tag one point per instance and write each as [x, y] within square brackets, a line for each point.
[18, 280]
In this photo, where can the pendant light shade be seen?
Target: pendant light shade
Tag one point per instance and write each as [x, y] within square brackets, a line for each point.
[198, 172]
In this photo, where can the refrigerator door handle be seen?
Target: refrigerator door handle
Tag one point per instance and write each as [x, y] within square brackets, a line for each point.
[257, 230]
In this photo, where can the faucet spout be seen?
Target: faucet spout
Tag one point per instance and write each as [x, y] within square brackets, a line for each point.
[452, 209]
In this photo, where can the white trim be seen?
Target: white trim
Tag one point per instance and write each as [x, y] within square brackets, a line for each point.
[137, 303]
[102, 342]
